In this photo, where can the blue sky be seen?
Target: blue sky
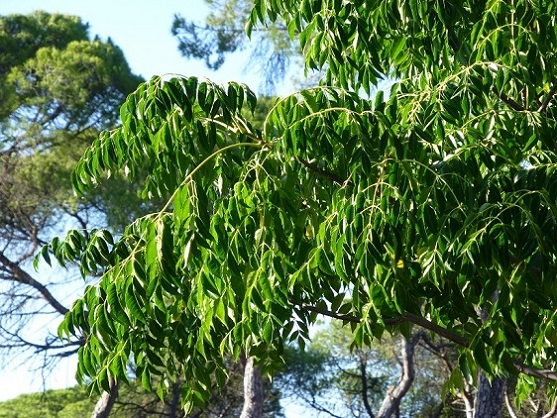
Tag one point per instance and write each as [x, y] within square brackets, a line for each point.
[141, 28]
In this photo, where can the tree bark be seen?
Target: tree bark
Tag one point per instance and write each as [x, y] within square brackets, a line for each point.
[106, 402]
[174, 410]
[253, 391]
[21, 276]
[489, 398]
[393, 398]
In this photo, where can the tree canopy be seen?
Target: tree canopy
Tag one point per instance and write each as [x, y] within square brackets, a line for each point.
[431, 205]
[58, 90]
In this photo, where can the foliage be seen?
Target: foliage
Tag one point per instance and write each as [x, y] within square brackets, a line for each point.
[22, 35]
[433, 206]
[63, 403]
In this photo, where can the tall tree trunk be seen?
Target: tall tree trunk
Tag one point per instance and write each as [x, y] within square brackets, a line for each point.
[106, 402]
[174, 410]
[393, 398]
[489, 398]
[253, 391]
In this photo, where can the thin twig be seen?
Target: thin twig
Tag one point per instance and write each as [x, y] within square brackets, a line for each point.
[510, 408]
[548, 98]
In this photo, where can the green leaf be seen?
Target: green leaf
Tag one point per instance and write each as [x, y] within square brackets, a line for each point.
[480, 355]
[132, 305]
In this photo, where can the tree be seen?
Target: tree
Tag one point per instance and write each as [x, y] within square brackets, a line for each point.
[223, 33]
[335, 381]
[64, 403]
[432, 205]
[58, 90]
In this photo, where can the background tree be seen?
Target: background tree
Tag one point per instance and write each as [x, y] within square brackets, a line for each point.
[425, 208]
[223, 33]
[332, 379]
[58, 90]
[133, 402]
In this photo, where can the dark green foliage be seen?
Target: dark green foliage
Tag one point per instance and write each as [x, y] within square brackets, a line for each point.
[57, 95]
[22, 35]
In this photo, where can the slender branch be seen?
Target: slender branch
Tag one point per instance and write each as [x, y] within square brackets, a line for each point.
[508, 101]
[365, 397]
[325, 312]
[548, 98]
[332, 177]
[510, 408]
[49, 343]
[406, 317]
[443, 332]
[437, 329]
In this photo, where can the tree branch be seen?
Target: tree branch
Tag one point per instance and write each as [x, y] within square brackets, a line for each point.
[106, 401]
[548, 98]
[437, 329]
[508, 101]
[406, 317]
[510, 408]
[552, 411]
[535, 372]
[325, 312]
[443, 332]
[365, 397]
[21, 276]
[393, 397]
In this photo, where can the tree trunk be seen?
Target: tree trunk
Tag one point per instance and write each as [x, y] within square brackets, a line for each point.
[393, 398]
[106, 402]
[174, 409]
[489, 398]
[253, 391]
